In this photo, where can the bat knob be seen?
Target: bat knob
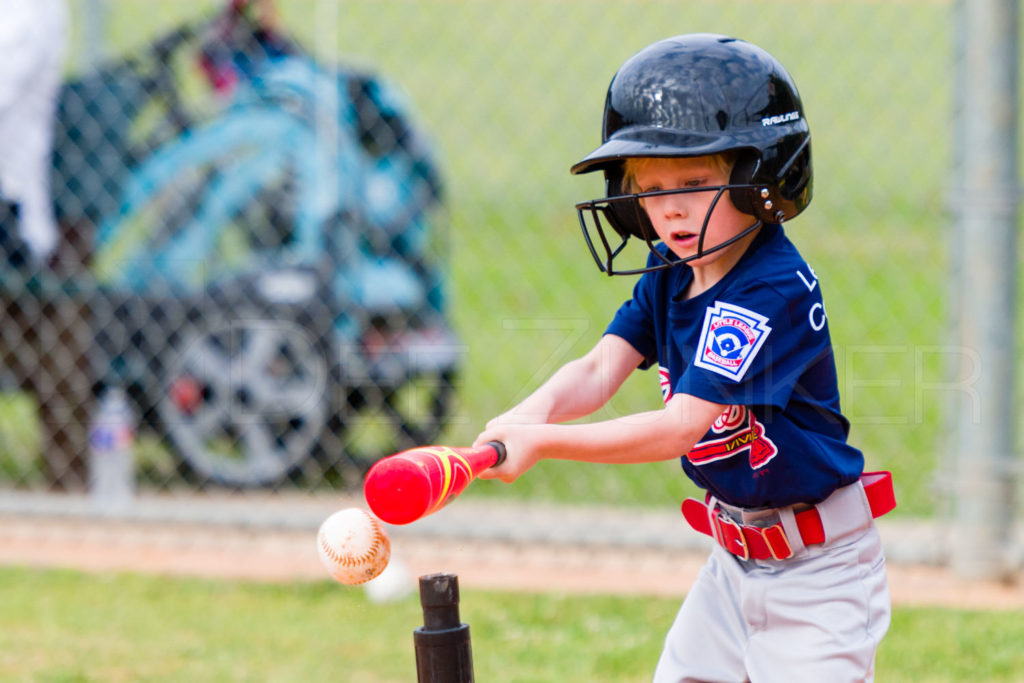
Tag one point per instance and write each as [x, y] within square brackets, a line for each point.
[499, 447]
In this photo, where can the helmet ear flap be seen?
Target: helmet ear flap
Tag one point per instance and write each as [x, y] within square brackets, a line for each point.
[764, 201]
[745, 199]
[795, 183]
[627, 217]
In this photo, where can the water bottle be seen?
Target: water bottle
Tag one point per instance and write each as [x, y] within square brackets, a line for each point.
[112, 453]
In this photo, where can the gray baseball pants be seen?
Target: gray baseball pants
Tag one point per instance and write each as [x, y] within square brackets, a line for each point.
[817, 616]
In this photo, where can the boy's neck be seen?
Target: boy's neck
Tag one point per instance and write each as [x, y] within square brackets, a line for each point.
[707, 276]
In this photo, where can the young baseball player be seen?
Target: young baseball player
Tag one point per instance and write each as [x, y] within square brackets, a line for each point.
[705, 153]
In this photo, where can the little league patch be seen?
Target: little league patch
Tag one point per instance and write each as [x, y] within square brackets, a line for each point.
[730, 339]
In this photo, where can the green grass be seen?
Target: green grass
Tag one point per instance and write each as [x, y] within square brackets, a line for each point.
[511, 91]
[69, 626]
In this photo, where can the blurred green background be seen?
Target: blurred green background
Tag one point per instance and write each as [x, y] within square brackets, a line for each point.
[512, 92]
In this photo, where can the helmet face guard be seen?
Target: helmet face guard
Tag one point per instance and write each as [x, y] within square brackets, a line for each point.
[698, 95]
[625, 210]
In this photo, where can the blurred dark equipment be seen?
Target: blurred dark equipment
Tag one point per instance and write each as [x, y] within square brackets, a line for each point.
[444, 653]
[260, 267]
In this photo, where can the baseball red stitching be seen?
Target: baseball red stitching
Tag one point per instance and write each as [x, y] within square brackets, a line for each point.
[379, 540]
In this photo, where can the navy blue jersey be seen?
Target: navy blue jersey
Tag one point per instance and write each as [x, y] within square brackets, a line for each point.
[758, 342]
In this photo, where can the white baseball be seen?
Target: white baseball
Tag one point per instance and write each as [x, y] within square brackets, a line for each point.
[353, 546]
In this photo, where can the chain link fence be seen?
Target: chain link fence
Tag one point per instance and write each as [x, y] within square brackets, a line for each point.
[300, 237]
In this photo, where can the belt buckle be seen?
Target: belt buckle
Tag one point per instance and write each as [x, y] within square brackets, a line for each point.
[722, 541]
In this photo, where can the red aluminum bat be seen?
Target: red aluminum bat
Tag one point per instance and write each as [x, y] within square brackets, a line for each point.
[420, 481]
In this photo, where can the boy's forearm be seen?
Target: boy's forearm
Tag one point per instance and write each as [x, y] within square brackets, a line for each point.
[642, 437]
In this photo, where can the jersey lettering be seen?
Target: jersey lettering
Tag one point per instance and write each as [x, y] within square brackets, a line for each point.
[731, 418]
[665, 382]
[742, 433]
[809, 284]
[817, 317]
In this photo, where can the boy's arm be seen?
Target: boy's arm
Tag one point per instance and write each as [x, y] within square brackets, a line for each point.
[579, 388]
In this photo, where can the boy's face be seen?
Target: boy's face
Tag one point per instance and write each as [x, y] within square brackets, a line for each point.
[678, 218]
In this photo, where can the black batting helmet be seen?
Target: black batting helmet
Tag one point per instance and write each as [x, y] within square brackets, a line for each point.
[696, 95]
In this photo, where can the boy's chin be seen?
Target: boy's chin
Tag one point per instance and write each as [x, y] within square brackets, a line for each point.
[689, 253]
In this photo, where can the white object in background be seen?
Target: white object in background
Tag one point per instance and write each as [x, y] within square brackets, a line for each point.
[112, 453]
[394, 583]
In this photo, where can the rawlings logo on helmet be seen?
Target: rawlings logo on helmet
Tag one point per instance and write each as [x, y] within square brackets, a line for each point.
[781, 118]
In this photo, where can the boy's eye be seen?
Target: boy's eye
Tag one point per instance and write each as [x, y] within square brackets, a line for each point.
[658, 187]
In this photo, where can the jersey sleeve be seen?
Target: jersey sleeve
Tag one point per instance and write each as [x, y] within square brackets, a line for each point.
[634, 321]
[756, 345]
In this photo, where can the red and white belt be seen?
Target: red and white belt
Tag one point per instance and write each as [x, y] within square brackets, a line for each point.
[771, 542]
